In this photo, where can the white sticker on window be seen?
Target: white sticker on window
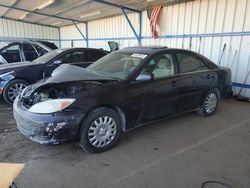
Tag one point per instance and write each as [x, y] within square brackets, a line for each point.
[141, 56]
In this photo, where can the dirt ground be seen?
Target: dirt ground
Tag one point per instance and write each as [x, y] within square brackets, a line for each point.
[181, 152]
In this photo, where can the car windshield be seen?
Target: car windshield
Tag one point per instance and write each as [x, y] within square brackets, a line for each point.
[117, 64]
[48, 56]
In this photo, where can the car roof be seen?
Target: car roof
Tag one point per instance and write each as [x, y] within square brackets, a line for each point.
[151, 49]
[10, 41]
[80, 48]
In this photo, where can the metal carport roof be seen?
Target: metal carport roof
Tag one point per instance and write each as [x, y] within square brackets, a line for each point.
[60, 13]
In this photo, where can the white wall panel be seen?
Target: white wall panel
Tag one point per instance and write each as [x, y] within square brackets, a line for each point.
[185, 25]
[204, 5]
[18, 29]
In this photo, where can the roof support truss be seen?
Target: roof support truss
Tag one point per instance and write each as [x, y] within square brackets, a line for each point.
[137, 35]
[123, 9]
[85, 37]
[117, 6]
[40, 13]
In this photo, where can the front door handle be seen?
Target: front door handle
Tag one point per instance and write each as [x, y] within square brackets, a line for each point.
[174, 83]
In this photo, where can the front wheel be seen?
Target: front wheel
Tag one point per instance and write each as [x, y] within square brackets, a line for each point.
[100, 131]
[13, 89]
[210, 103]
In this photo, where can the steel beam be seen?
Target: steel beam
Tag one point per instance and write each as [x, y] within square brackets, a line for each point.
[140, 27]
[70, 8]
[138, 36]
[14, 4]
[87, 34]
[6, 18]
[117, 6]
[40, 13]
[79, 30]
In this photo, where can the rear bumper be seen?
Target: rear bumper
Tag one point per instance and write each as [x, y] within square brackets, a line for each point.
[47, 128]
[227, 91]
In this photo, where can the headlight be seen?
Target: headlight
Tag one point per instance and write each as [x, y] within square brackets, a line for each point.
[51, 106]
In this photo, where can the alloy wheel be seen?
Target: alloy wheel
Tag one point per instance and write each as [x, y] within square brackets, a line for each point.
[15, 90]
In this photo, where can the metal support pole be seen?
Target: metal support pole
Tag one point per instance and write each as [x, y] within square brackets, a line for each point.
[140, 27]
[87, 34]
[60, 39]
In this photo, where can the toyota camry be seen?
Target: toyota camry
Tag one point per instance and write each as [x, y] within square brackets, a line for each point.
[119, 92]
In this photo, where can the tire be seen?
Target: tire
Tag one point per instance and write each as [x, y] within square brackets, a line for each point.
[212, 97]
[18, 84]
[98, 134]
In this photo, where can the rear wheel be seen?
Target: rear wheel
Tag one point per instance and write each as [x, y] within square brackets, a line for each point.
[100, 131]
[13, 89]
[210, 103]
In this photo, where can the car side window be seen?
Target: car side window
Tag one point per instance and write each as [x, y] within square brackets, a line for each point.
[73, 57]
[190, 63]
[29, 52]
[40, 50]
[11, 53]
[161, 66]
[93, 55]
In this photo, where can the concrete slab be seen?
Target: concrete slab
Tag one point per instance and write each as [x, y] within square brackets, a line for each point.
[184, 151]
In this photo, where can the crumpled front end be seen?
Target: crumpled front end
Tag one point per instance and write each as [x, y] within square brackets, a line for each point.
[48, 128]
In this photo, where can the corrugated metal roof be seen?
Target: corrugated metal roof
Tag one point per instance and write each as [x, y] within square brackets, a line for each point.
[82, 10]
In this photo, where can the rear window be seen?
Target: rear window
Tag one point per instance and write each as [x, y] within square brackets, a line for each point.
[190, 63]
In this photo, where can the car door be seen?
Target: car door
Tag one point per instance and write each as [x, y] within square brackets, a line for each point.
[158, 97]
[71, 57]
[11, 53]
[29, 52]
[196, 78]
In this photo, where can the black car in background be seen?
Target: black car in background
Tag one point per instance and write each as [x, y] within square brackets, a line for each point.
[117, 93]
[51, 45]
[23, 50]
[15, 77]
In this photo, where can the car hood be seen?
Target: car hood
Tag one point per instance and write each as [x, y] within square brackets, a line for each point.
[70, 73]
[65, 75]
[8, 66]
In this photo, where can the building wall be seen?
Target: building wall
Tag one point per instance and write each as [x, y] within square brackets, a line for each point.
[18, 29]
[205, 26]
[71, 37]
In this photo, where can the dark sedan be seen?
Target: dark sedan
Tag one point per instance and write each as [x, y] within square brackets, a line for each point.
[15, 77]
[13, 51]
[117, 93]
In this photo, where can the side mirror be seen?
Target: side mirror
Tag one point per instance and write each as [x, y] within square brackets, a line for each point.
[56, 62]
[145, 77]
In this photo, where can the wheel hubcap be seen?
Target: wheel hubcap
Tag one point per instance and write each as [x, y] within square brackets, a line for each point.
[211, 102]
[102, 131]
[15, 90]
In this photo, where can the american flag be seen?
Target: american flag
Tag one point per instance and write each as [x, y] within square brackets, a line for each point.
[153, 16]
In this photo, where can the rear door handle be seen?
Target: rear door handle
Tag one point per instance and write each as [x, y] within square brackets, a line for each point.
[173, 83]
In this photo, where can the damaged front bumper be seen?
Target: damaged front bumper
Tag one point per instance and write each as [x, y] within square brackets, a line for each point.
[48, 128]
